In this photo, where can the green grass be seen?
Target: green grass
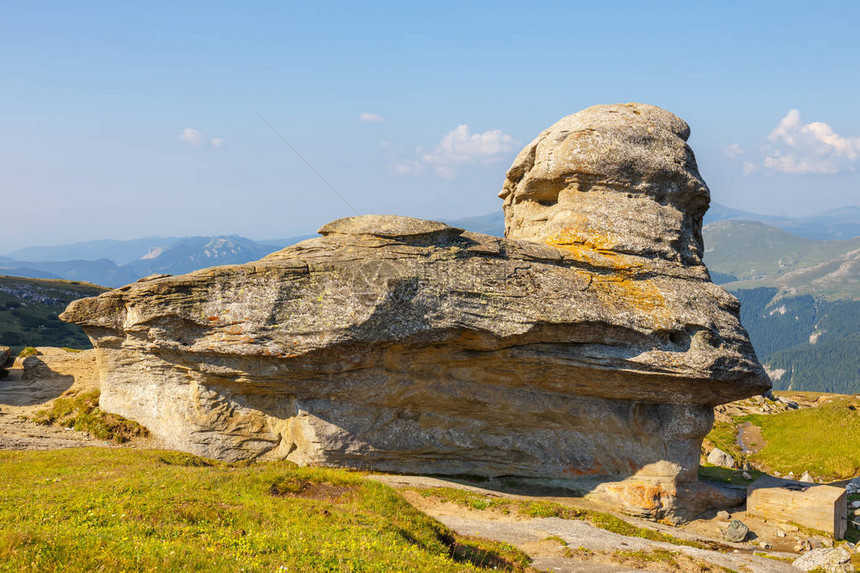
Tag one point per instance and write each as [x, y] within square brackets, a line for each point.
[821, 440]
[132, 510]
[726, 475]
[655, 556]
[675, 560]
[724, 435]
[467, 498]
[28, 351]
[543, 508]
[81, 412]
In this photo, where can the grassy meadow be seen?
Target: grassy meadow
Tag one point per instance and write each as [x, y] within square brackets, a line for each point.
[821, 440]
[145, 510]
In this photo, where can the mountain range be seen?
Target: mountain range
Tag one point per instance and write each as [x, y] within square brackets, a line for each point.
[116, 263]
[751, 254]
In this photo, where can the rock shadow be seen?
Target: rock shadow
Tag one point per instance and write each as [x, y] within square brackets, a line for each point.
[33, 384]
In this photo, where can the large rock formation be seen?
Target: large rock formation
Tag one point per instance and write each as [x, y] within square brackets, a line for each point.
[591, 353]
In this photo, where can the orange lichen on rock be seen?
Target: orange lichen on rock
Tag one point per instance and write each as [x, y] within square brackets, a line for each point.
[639, 497]
[620, 287]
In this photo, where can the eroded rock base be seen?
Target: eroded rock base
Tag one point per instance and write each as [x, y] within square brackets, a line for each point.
[637, 455]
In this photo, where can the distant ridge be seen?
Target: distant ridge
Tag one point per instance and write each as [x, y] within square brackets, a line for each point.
[834, 224]
[751, 254]
[151, 255]
[120, 252]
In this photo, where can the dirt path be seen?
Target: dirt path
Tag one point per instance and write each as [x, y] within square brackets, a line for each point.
[33, 387]
[567, 545]
[749, 438]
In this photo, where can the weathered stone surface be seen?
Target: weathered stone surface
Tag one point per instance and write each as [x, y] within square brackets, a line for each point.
[816, 506]
[34, 368]
[720, 458]
[737, 531]
[410, 346]
[616, 178]
[828, 560]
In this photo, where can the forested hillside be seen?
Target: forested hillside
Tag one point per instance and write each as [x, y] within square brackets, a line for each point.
[805, 343]
[29, 309]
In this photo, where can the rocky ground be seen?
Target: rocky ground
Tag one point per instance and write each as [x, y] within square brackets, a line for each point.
[574, 545]
[33, 383]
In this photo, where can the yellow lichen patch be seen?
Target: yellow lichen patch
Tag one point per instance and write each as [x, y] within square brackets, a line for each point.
[621, 293]
[620, 289]
[572, 236]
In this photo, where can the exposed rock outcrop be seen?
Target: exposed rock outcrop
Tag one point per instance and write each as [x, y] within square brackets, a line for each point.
[591, 353]
[826, 559]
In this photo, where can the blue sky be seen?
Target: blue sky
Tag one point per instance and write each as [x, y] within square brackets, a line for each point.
[127, 119]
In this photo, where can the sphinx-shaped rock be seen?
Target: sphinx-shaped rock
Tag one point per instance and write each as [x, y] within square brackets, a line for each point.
[404, 345]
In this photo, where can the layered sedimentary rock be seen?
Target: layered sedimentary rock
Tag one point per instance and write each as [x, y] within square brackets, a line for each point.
[589, 346]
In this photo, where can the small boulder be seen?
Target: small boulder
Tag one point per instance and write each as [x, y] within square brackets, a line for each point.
[829, 560]
[780, 533]
[764, 544]
[746, 476]
[737, 531]
[724, 515]
[806, 478]
[34, 368]
[720, 458]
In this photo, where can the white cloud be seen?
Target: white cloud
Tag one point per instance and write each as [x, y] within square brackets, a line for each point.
[371, 118]
[459, 147]
[217, 142]
[190, 137]
[795, 147]
[734, 150]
